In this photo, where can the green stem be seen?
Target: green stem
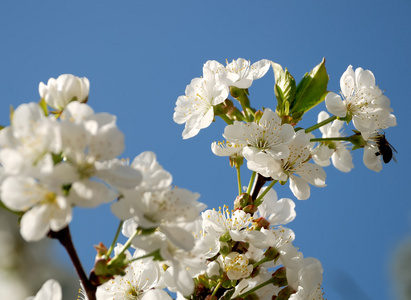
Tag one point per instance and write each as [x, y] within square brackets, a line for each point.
[259, 200]
[326, 121]
[265, 259]
[247, 117]
[339, 138]
[239, 179]
[269, 281]
[250, 184]
[115, 239]
[226, 119]
[125, 247]
[217, 287]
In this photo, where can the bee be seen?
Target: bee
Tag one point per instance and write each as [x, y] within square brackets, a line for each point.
[385, 149]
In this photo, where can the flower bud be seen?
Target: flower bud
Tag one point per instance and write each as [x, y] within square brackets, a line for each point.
[272, 253]
[242, 201]
[66, 88]
[261, 223]
[280, 277]
[225, 248]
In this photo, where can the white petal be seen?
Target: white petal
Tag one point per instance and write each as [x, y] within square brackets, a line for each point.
[335, 105]
[299, 187]
[372, 161]
[51, 290]
[35, 223]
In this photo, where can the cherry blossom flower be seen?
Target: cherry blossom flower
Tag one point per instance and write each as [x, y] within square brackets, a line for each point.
[224, 222]
[239, 73]
[139, 283]
[306, 279]
[275, 211]
[362, 101]
[336, 150]
[66, 88]
[236, 265]
[372, 151]
[296, 164]
[27, 144]
[51, 290]
[195, 108]
[44, 203]
[267, 138]
[227, 149]
[154, 176]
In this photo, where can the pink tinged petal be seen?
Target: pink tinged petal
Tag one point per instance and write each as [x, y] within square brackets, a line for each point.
[35, 223]
[371, 160]
[51, 290]
[347, 82]
[335, 105]
[299, 187]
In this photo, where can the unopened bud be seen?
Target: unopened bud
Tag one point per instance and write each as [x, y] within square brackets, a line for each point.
[242, 201]
[257, 116]
[225, 248]
[280, 277]
[261, 223]
[101, 250]
[272, 253]
[250, 209]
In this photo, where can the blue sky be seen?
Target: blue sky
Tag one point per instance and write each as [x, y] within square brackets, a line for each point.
[139, 57]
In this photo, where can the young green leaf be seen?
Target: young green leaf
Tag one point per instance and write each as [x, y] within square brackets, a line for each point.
[311, 90]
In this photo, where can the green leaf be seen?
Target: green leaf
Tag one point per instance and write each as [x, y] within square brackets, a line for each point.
[284, 88]
[311, 90]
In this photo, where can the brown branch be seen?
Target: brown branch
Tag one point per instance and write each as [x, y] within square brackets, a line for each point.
[64, 237]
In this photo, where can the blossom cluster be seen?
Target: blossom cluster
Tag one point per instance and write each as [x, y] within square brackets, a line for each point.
[59, 153]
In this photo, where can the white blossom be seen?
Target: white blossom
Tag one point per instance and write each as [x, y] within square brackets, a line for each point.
[195, 108]
[361, 100]
[267, 138]
[51, 290]
[296, 164]
[66, 88]
[336, 150]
